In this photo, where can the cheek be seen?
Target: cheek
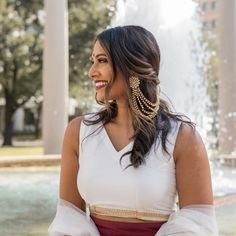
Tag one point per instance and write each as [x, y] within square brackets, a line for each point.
[109, 74]
[119, 88]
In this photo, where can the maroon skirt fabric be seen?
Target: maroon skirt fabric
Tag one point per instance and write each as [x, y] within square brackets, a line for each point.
[114, 228]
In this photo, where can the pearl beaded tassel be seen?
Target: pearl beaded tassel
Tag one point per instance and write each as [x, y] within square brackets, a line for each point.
[138, 99]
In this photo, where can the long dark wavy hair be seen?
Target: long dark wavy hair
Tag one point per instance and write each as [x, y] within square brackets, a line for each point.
[133, 50]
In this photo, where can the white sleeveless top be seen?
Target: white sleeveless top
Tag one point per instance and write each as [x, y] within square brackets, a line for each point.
[102, 180]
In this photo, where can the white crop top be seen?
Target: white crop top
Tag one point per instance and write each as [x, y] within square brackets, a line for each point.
[102, 180]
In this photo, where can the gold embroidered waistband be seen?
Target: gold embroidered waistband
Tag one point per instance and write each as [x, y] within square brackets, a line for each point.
[150, 216]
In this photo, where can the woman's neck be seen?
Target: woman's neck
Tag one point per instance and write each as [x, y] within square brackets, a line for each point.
[123, 117]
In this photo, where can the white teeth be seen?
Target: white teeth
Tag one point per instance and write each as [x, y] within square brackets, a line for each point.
[100, 83]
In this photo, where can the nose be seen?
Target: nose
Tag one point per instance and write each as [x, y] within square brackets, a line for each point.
[93, 71]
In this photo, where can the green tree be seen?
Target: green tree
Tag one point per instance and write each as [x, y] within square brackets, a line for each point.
[20, 56]
[21, 50]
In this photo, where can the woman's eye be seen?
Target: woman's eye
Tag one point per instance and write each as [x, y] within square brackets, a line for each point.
[102, 60]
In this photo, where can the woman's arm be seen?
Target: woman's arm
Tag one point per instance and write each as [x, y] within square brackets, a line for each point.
[70, 217]
[196, 216]
[70, 165]
[193, 176]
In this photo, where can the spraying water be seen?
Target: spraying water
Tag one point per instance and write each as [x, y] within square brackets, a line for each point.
[175, 26]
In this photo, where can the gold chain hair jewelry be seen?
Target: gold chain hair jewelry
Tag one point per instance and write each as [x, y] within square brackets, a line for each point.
[148, 108]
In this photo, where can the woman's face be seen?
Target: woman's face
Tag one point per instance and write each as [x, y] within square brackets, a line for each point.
[101, 73]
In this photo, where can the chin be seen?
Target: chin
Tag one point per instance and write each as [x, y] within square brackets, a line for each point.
[100, 98]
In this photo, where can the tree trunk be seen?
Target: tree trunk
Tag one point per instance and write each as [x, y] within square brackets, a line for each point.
[8, 131]
[8, 123]
[37, 121]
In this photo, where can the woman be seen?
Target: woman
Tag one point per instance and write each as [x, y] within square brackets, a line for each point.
[125, 165]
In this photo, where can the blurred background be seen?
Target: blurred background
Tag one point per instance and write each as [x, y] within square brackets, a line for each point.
[44, 60]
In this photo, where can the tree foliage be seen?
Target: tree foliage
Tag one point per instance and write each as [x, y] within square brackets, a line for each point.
[20, 56]
[21, 36]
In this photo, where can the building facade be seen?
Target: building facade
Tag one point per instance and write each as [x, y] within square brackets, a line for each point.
[218, 24]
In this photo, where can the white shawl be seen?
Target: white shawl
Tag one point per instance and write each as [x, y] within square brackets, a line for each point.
[192, 220]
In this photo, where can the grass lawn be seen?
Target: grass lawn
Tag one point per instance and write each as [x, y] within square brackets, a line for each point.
[15, 151]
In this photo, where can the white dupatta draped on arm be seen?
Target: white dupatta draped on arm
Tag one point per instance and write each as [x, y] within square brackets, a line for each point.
[192, 220]
[71, 221]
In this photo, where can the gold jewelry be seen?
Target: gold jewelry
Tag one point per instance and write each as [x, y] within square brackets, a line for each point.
[148, 108]
[128, 213]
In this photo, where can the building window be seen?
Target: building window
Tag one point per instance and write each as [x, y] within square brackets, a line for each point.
[204, 25]
[213, 24]
[209, 25]
[204, 6]
[213, 5]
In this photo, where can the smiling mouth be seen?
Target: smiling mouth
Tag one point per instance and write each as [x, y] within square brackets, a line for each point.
[100, 84]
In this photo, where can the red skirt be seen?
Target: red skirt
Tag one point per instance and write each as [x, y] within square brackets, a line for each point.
[114, 228]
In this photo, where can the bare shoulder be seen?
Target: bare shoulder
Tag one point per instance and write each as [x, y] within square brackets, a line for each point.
[75, 122]
[74, 125]
[71, 137]
[193, 176]
[188, 141]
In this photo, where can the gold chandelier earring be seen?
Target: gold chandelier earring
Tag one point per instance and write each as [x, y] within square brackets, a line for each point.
[139, 101]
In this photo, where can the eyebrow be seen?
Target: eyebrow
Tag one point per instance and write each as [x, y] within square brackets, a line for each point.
[98, 55]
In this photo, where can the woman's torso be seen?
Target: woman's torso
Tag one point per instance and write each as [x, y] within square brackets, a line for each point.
[105, 183]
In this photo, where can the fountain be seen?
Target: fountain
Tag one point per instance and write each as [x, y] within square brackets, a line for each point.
[175, 28]
[28, 196]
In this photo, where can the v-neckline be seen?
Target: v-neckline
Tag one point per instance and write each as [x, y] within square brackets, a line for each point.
[111, 145]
